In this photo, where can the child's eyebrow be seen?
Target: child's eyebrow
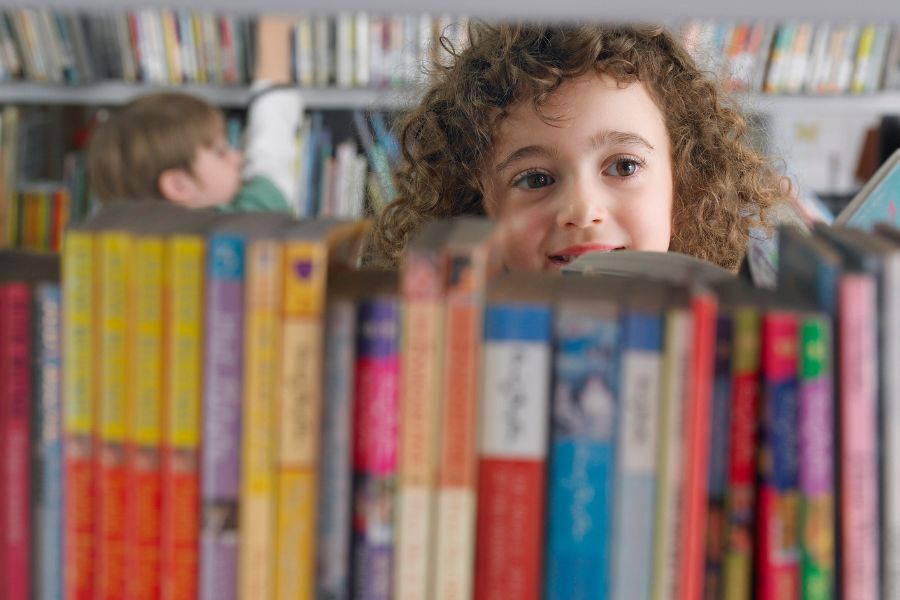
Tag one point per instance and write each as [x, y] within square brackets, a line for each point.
[604, 138]
[525, 152]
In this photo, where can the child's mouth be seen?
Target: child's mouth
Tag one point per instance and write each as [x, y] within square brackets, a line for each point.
[571, 254]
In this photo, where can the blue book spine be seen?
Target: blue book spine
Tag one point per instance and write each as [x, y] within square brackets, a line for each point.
[582, 454]
[633, 527]
[48, 451]
[221, 439]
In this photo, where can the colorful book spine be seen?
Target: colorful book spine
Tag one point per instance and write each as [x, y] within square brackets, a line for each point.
[816, 471]
[114, 254]
[221, 436]
[15, 434]
[143, 436]
[745, 403]
[718, 460]
[635, 491]
[696, 444]
[305, 273]
[335, 509]
[375, 450]
[676, 363]
[457, 466]
[777, 567]
[183, 288]
[859, 437]
[47, 434]
[256, 574]
[78, 414]
[420, 389]
[582, 454]
[512, 464]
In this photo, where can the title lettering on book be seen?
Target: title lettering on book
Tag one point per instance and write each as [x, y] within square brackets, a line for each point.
[50, 380]
[583, 492]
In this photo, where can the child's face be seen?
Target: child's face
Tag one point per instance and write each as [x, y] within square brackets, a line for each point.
[599, 178]
[216, 173]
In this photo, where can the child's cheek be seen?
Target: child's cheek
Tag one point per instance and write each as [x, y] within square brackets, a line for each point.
[523, 232]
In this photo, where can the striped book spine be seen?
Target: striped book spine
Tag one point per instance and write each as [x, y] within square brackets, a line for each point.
[420, 389]
[457, 467]
[114, 261]
[183, 290]
[635, 492]
[816, 468]
[79, 387]
[305, 274]
[582, 451]
[742, 459]
[375, 449]
[15, 434]
[859, 439]
[778, 561]
[221, 436]
[143, 437]
[47, 432]
[256, 575]
[511, 471]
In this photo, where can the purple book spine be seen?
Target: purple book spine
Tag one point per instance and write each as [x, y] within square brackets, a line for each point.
[375, 448]
[221, 438]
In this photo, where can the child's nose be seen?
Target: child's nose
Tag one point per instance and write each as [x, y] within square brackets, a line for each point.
[583, 207]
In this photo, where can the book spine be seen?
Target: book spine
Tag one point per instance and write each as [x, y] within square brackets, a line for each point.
[420, 385]
[335, 508]
[718, 460]
[816, 472]
[143, 437]
[375, 450]
[78, 414]
[696, 444]
[582, 453]
[635, 492]
[511, 469]
[890, 421]
[858, 435]
[221, 436]
[676, 364]
[256, 574]
[778, 569]
[15, 434]
[47, 432]
[457, 467]
[305, 273]
[183, 305]
[114, 301]
[745, 403]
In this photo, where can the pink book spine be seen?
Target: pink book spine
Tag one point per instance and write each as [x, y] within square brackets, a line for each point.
[859, 437]
[15, 421]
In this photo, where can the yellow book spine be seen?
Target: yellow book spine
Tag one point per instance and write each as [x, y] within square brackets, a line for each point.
[305, 270]
[256, 568]
[199, 45]
[147, 343]
[863, 58]
[185, 272]
[170, 42]
[77, 265]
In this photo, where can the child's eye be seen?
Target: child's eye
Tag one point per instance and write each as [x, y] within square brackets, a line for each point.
[533, 180]
[624, 167]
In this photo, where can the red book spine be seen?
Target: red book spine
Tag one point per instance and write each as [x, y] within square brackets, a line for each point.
[15, 422]
[696, 446]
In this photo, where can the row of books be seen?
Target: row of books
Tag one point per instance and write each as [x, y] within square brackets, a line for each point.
[246, 415]
[165, 46]
[173, 46]
[798, 57]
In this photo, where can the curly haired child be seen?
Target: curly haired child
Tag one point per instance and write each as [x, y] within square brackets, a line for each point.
[580, 138]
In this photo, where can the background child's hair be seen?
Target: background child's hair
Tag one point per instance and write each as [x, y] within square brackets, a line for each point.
[156, 132]
[723, 186]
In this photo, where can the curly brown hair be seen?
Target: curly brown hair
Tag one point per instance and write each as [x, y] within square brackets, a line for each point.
[723, 186]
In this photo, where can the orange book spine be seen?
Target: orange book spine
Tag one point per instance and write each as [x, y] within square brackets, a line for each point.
[696, 446]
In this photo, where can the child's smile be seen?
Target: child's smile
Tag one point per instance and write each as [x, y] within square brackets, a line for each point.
[594, 175]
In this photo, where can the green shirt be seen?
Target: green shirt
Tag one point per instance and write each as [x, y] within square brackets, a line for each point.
[258, 194]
